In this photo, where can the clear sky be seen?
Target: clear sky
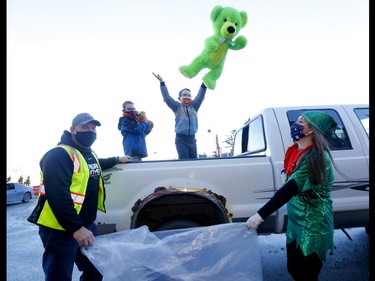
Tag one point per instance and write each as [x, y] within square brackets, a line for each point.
[65, 57]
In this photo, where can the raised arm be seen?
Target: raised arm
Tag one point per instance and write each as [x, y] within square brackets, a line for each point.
[158, 77]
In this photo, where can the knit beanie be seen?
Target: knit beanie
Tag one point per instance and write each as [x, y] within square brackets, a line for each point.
[320, 120]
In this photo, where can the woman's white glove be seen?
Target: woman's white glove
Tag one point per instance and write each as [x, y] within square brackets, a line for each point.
[254, 221]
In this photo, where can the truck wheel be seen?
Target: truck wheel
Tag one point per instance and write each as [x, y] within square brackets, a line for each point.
[176, 224]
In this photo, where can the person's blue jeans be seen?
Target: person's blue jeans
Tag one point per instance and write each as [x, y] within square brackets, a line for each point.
[61, 251]
[186, 146]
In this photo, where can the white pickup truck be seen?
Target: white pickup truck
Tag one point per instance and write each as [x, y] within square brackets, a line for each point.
[169, 194]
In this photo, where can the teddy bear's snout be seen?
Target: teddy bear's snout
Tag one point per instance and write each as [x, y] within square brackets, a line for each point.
[231, 29]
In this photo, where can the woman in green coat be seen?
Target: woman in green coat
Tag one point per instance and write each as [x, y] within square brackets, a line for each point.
[307, 192]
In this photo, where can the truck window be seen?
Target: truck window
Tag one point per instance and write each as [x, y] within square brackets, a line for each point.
[363, 116]
[238, 144]
[256, 141]
[338, 140]
[250, 139]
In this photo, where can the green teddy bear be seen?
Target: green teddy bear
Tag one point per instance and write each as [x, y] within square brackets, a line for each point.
[227, 22]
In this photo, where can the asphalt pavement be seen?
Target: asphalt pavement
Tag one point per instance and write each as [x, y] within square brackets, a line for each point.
[349, 262]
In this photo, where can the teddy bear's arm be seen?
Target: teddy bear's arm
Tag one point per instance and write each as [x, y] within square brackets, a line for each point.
[239, 43]
[211, 44]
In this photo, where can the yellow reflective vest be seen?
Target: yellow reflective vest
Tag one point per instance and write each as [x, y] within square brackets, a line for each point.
[77, 189]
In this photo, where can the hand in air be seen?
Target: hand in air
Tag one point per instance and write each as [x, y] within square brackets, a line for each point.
[158, 77]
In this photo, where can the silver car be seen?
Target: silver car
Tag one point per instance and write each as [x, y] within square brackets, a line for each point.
[17, 192]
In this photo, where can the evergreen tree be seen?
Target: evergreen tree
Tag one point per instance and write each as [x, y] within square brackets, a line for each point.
[27, 181]
[230, 141]
[20, 180]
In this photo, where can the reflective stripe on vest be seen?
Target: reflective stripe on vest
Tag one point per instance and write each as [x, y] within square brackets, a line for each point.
[77, 198]
[75, 159]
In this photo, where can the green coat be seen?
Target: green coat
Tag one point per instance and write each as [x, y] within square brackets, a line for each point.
[310, 213]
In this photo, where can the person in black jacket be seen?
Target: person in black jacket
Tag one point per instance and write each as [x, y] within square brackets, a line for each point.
[71, 192]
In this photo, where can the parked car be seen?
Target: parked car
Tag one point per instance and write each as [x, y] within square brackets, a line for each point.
[17, 192]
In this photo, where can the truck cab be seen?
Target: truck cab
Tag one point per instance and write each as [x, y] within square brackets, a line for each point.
[268, 134]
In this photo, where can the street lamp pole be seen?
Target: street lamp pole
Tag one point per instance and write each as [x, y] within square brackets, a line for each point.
[218, 148]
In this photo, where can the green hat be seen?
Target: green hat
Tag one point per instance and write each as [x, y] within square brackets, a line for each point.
[320, 120]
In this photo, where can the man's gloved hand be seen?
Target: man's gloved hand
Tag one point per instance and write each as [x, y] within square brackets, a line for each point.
[125, 159]
[254, 221]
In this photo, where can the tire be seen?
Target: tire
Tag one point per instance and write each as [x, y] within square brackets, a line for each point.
[26, 197]
[177, 224]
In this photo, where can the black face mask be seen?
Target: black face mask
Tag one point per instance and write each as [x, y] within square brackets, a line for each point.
[296, 131]
[86, 139]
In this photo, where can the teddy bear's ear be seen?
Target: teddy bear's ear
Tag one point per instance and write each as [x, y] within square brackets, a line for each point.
[244, 18]
[216, 12]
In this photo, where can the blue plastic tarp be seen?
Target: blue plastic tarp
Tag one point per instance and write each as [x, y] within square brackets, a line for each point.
[220, 252]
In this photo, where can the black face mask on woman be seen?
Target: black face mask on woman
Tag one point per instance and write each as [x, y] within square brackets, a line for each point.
[86, 139]
[296, 131]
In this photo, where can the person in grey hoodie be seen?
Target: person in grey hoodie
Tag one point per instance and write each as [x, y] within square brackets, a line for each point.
[186, 118]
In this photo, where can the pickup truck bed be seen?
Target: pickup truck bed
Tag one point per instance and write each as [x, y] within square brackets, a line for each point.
[169, 194]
